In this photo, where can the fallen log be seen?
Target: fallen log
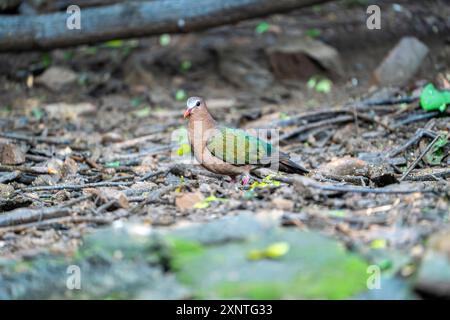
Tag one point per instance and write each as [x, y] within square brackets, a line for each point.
[133, 19]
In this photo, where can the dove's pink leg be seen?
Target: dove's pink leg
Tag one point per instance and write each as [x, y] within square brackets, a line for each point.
[245, 180]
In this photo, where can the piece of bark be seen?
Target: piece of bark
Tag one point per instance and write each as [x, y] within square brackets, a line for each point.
[301, 58]
[11, 154]
[401, 63]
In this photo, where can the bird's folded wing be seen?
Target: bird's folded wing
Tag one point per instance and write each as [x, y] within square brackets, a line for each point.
[238, 147]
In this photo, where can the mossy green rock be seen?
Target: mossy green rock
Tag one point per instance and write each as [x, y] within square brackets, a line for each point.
[213, 261]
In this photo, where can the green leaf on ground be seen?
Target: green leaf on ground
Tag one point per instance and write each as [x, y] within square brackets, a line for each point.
[37, 113]
[68, 55]
[180, 95]
[273, 251]
[313, 33]
[324, 86]
[136, 102]
[113, 44]
[337, 213]
[46, 60]
[378, 244]
[321, 85]
[206, 202]
[284, 116]
[164, 40]
[262, 27]
[184, 148]
[266, 182]
[142, 113]
[437, 153]
[185, 65]
[112, 164]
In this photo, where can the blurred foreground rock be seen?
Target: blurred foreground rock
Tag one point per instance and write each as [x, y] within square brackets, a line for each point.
[213, 260]
[433, 278]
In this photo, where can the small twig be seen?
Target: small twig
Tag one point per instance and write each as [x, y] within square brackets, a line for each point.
[38, 170]
[132, 142]
[370, 119]
[355, 115]
[60, 220]
[35, 158]
[154, 174]
[9, 176]
[34, 140]
[417, 117]
[358, 180]
[76, 186]
[414, 139]
[34, 199]
[385, 102]
[25, 215]
[309, 117]
[438, 174]
[414, 164]
[75, 201]
[105, 206]
[307, 182]
[309, 126]
[156, 195]
[183, 169]
[136, 156]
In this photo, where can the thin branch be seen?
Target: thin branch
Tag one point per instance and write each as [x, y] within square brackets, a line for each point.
[307, 182]
[32, 139]
[414, 164]
[76, 186]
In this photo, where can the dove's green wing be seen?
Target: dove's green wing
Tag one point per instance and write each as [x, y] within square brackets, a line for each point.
[238, 147]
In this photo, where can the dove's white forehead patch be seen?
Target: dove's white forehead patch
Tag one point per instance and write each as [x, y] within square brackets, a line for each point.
[192, 102]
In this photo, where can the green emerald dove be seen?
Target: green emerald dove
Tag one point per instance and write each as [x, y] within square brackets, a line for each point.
[229, 151]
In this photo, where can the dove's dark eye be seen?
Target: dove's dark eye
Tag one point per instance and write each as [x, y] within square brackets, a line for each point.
[198, 104]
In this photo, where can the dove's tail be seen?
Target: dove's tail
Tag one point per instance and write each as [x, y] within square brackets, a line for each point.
[289, 166]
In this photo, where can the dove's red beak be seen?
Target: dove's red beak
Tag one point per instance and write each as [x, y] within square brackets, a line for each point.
[187, 113]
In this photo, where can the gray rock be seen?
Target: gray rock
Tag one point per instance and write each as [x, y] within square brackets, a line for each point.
[401, 63]
[433, 277]
[11, 154]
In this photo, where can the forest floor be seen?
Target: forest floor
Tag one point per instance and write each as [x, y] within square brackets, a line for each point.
[96, 136]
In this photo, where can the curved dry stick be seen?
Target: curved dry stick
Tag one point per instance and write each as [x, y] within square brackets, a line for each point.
[307, 182]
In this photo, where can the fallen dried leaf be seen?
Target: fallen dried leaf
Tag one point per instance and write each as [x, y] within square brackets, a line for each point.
[188, 200]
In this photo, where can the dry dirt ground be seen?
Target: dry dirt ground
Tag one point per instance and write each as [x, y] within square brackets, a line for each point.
[99, 140]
